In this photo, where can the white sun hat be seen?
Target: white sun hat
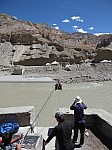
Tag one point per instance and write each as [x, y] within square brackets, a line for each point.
[78, 99]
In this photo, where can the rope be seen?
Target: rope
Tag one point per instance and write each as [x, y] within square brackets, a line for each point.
[56, 104]
[21, 142]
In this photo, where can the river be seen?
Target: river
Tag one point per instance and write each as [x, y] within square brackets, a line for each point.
[94, 95]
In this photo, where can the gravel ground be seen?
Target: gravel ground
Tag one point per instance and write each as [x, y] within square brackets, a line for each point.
[92, 142]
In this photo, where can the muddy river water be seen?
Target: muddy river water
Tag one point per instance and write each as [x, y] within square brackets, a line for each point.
[94, 95]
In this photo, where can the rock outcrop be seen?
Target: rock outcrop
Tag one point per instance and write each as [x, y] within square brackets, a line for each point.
[30, 44]
[103, 54]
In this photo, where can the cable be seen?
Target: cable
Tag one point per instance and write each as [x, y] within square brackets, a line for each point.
[21, 142]
[56, 104]
[43, 106]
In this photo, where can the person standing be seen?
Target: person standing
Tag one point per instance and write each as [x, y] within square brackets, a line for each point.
[63, 133]
[79, 121]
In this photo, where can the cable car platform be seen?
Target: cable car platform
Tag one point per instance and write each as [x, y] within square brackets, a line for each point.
[34, 141]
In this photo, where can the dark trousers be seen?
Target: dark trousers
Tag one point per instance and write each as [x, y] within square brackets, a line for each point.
[69, 146]
[79, 127]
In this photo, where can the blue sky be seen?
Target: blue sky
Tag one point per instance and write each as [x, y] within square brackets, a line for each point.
[87, 16]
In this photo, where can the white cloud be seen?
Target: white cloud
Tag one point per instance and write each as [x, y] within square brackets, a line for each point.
[74, 27]
[81, 30]
[81, 20]
[56, 28]
[97, 34]
[15, 17]
[91, 28]
[66, 20]
[54, 24]
[77, 18]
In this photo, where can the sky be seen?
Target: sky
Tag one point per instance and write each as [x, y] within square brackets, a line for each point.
[86, 16]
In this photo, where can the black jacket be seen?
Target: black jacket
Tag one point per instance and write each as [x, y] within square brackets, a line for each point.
[63, 132]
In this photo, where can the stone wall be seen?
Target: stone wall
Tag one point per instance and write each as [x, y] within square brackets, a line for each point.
[23, 115]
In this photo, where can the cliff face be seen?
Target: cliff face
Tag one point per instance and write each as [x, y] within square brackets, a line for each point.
[29, 44]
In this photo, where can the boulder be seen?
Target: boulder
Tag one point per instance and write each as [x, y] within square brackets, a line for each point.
[103, 54]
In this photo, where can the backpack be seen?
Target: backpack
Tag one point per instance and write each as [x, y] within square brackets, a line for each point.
[6, 127]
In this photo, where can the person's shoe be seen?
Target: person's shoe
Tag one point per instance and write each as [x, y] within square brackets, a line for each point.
[77, 145]
[74, 142]
[80, 145]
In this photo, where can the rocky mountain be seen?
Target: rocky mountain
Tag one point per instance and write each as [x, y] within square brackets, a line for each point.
[29, 44]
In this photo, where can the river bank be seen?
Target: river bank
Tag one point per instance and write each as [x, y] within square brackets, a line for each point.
[18, 78]
[85, 72]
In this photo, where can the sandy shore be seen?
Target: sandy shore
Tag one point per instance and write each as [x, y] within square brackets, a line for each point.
[19, 78]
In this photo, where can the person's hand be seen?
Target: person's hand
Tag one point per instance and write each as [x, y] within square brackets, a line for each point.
[45, 143]
[18, 147]
[21, 135]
